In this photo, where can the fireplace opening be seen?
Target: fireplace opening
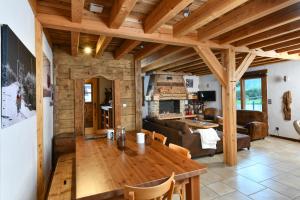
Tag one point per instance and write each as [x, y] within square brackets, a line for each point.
[169, 106]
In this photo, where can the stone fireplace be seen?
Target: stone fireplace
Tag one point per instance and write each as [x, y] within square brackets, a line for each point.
[166, 95]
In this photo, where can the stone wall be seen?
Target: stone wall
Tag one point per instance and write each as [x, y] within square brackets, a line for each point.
[107, 67]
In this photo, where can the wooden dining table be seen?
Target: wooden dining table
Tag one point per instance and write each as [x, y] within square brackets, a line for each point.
[102, 170]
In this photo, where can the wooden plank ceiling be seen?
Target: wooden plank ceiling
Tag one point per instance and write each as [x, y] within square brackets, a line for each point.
[271, 26]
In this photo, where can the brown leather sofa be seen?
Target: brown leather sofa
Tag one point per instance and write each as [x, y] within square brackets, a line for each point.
[178, 133]
[252, 123]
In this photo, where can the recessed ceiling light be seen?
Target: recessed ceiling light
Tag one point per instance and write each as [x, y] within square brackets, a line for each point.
[87, 50]
[141, 46]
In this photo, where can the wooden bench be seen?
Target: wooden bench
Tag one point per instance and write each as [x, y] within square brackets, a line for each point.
[61, 184]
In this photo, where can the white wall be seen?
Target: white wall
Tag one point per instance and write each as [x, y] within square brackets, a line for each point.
[18, 143]
[209, 82]
[195, 83]
[276, 88]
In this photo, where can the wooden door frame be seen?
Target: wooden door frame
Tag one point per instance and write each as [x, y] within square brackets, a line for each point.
[79, 104]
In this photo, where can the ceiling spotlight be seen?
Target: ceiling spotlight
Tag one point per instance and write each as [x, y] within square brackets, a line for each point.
[87, 50]
[141, 46]
[186, 12]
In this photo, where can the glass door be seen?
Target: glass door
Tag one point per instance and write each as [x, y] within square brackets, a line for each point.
[253, 94]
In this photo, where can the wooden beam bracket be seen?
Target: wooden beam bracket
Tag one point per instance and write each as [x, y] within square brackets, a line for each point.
[212, 62]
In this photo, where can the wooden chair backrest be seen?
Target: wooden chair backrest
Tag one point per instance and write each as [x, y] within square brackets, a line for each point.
[147, 132]
[159, 137]
[162, 191]
[181, 150]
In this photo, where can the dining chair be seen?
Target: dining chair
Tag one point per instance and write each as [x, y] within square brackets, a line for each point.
[180, 185]
[162, 191]
[181, 150]
[147, 132]
[159, 137]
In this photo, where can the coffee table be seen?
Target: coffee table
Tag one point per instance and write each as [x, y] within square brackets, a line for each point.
[199, 124]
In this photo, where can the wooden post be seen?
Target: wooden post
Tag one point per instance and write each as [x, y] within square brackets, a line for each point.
[39, 110]
[229, 110]
[117, 103]
[138, 95]
[79, 107]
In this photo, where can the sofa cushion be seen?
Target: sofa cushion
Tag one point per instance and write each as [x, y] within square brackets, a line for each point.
[246, 116]
[242, 129]
[157, 121]
[181, 126]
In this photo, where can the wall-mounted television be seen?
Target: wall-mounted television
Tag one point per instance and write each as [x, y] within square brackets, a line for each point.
[207, 95]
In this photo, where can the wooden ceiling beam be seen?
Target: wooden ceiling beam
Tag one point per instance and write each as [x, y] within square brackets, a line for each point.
[294, 51]
[276, 40]
[278, 31]
[289, 48]
[98, 27]
[267, 62]
[76, 16]
[180, 63]
[282, 45]
[119, 11]
[161, 54]
[192, 64]
[74, 43]
[206, 13]
[200, 64]
[268, 22]
[169, 59]
[213, 63]
[148, 50]
[125, 48]
[242, 68]
[101, 45]
[163, 12]
[251, 11]
[76, 10]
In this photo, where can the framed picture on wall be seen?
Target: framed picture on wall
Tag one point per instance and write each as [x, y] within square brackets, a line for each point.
[18, 79]
[189, 83]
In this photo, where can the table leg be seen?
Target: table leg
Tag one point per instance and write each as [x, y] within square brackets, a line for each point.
[193, 188]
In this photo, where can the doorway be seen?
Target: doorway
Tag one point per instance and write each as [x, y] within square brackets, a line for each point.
[98, 105]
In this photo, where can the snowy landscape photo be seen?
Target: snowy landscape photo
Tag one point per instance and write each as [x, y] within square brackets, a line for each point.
[18, 79]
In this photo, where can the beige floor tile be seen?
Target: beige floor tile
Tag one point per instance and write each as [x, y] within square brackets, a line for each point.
[224, 172]
[259, 172]
[264, 159]
[244, 185]
[220, 188]
[289, 180]
[209, 178]
[281, 188]
[296, 172]
[207, 194]
[268, 194]
[233, 196]
[285, 166]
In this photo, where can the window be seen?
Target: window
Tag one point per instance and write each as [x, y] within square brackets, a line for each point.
[251, 91]
[87, 92]
[253, 94]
